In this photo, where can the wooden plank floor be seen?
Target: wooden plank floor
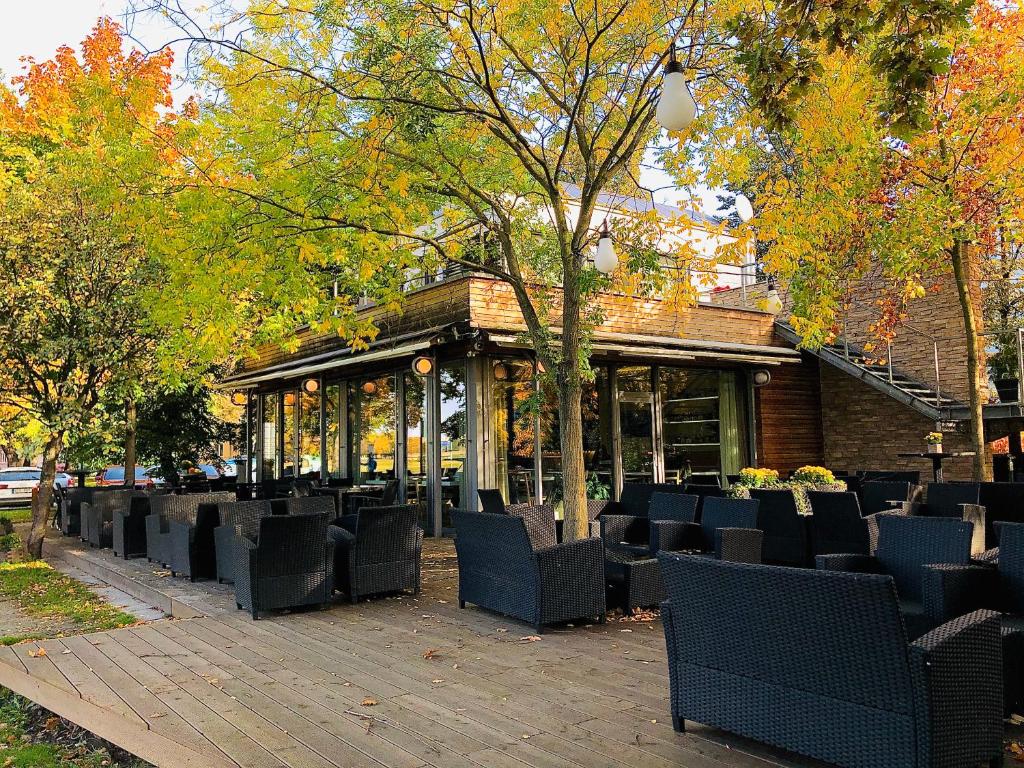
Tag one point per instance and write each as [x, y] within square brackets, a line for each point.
[404, 681]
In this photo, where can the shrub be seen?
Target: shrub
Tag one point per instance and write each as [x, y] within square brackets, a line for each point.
[813, 476]
[596, 489]
[6, 526]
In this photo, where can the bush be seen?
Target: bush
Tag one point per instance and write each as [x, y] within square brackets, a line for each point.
[6, 526]
[813, 476]
[596, 489]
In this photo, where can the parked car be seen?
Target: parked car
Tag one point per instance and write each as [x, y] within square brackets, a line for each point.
[64, 480]
[18, 483]
[114, 475]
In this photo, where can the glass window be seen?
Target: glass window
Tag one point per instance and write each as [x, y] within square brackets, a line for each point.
[332, 424]
[309, 434]
[252, 449]
[636, 423]
[288, 430]
[271, 453]
[452, 383]
[415, 442]
[373, 413]
[691, 424]
[513, 432]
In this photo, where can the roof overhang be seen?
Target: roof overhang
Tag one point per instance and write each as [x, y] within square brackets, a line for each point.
[669, 348]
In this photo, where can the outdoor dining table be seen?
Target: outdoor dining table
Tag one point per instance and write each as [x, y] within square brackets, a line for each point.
[937, 459]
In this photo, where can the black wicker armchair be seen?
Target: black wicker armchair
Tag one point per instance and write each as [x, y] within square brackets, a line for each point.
[387, 497]
[381, 553]
[953, 590]
[97, 516]
[883, 495]
[179, 532]
[238, 519]
[727, 531]
[1003, 503]
[905, 546]
[310, 505]
[786, 539]
[290, 564]
[129, 524]
[836, 524]
[71, 509]
[500, 570]
[819, 663]
[665, 524]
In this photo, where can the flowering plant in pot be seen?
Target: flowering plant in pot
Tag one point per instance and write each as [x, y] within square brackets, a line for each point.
[934, 441]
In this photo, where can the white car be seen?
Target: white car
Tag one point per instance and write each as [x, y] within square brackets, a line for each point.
[17, 484]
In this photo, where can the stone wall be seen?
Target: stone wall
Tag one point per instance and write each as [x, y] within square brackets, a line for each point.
[866, 429]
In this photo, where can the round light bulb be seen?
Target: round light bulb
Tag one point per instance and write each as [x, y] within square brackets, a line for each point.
[676, 108]
[772, 302]
[743, 208]
[605, 259]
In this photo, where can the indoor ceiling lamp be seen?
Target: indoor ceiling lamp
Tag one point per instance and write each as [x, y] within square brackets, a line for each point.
[311, 385]
[676, 108]
[772, 301]
[423, 366]
[605, 259]
[369, 387]
[239, 398]
[289, 398]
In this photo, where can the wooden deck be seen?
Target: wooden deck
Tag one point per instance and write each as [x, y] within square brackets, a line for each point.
[404, 682]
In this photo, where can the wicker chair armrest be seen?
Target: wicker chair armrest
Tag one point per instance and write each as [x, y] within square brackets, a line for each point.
[357, 502]
[599, 507]
[849, 563]
[594, 528]
[871, 521]
[958, 678]
[989, 556]
[614, 528]
[948, 591]
[340, 537]
[181, 531]
[739, 545]
[573, 565]
[670, 535]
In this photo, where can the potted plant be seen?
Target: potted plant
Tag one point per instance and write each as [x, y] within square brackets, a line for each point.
[934, 441]
[1004, 369]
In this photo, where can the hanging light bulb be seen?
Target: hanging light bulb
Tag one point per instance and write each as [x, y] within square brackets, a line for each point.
[772, 302]
[676, 107]
[605, 259]
[743, 208]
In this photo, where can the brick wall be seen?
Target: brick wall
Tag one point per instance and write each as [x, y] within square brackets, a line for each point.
[865, 429]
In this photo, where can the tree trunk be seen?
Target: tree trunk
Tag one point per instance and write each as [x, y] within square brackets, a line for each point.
[43, 500]
[975, 376]
[574, 485]
[130, 424]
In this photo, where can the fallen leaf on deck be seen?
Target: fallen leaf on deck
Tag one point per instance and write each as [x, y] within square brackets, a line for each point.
[432, 653]
[368, 702]
[37, 653]
[529, 639]
[438, 680]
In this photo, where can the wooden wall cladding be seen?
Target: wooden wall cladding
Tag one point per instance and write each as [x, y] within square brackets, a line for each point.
[789, 425]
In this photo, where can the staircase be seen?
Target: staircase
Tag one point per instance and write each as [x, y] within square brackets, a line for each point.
[911, 392]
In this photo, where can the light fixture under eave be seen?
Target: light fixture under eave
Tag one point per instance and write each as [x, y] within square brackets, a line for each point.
[605, 258]
[501, 372]
[239, 398]
[289, 398]
[772, 300]
[761, 377]
[423, 366]
[369, 387]
[311, 386]
[676, 109]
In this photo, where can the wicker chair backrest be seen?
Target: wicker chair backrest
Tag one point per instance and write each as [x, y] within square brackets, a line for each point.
[292, 544]
[244, 514]
[386, 534]
[491, 501]
[719, 512]
[75, 496]
[1011, 563]
[1003, 502]
[905, 544]
[184, 508]
[311, 505]
[944, 499]
[679, 507]
[492, 544]
[837, 526]
[878, 493]
[785, 529]
[911, 476]
[635, 498]
[824, 634]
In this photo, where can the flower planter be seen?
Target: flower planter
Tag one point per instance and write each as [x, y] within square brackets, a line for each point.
[935, 448]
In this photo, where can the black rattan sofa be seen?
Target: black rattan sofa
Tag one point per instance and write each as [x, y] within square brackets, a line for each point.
[179, 532]
[819, 663]
[129, 524]
[380, 553]
[71, 509]
[97, 516]
[500, 570]
[289, 565]
[667, 516]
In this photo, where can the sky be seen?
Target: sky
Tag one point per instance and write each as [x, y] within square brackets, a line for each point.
[38, 27]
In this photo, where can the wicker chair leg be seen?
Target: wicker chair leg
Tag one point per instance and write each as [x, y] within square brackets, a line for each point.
[353, 598]
[238, 605]
[678, 724]
[255, 615]
[539, 628]
[462, 603]
[603, 618]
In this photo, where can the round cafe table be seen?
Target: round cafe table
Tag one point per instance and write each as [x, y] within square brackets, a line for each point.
[937, 459]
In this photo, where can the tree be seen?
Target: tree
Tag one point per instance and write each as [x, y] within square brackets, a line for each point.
[847, 195]
[353, 134]
[178, 427]
[78, 149]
